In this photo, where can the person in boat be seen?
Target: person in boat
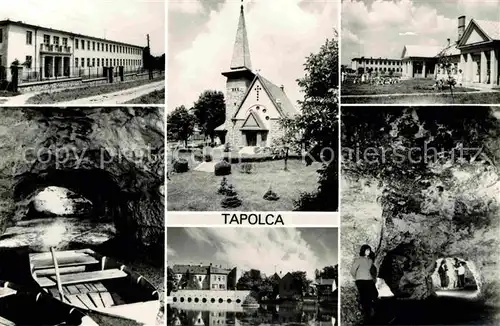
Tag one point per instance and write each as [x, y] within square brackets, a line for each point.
[364, 273]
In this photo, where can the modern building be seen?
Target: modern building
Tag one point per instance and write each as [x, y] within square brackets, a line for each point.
[473, 58]
[382, 65]
[254, 104]
[46, 53]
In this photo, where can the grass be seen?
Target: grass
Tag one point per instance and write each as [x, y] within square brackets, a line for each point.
[83, 92]
[405, 86]
[197, 191]
[468, 98]
[156, 97]
[8, 93]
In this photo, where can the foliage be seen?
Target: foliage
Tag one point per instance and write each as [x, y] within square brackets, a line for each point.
[300, 277]
[224, 186]
[316, 128]
[181, 124]
[246, 168]
[171, 281]
[250, 300]
[210, 111]
[231, 200]
[181, 165]
[222, 168]
[271, 195]
[250, 280]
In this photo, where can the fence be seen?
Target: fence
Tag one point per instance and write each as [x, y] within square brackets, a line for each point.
[41, 73]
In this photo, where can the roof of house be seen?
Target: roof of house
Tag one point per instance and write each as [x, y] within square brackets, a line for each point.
[373, 58]
[20, 23]
[491, 28]
[421, 51]
[199, 269]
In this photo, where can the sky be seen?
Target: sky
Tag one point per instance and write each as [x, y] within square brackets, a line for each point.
[377, 28]
[281, 33]
[119, 20]
[264, 248]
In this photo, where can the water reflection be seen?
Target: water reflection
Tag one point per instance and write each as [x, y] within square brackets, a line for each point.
[284, 314]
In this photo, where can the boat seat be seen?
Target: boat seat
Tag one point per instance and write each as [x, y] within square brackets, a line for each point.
[90, 300]
[6, 322]
[69, 279]
[74, 260]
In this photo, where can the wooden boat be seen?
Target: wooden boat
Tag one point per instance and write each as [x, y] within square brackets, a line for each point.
[98, 285]
[21, 307]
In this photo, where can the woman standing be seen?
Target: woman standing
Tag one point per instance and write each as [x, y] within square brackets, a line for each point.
[364, 273]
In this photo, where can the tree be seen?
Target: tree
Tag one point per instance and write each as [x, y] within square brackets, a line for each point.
[316, 128]
[210, 112]
[330, 272]
[250, 280]
[181, 124]
[171, 281]
[301, 278]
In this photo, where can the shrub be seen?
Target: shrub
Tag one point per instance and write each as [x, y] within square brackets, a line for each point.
[198, 156]
[224, 186]
[208, 158]
[231, 200]
[222, 168]
[271, 195]
[250, 300]
[181, 165]
[227, 147]
[246, 168]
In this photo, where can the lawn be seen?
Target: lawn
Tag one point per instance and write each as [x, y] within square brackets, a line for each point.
[197, 191]
[404, 87]
[467, 98]
[83, 92]
[156, 97]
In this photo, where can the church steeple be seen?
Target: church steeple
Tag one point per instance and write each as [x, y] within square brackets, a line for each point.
[241, 51]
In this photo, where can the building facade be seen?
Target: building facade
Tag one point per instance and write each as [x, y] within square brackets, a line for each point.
[46, 53]
[203, 277]
[473, 57]
[382, 65]
[290, 288]
[254, 104]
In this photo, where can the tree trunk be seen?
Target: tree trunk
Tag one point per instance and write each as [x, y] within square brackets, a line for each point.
[286, 159]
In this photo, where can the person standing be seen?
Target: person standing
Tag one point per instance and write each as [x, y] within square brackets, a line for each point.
[461, 275]
[364, 273]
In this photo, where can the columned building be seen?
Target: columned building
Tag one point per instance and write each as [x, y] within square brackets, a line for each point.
[479, 45]
[49, 53]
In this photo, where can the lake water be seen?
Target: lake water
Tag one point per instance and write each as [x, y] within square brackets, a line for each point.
[284, 314]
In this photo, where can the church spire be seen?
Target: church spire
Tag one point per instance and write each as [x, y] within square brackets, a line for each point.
[241, 51]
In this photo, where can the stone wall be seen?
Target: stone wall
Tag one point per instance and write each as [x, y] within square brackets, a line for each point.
[209, 297]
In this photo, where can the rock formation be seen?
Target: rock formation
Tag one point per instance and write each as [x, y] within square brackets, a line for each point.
[112, 157]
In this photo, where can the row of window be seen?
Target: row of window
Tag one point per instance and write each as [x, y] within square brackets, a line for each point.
[80, 44]
[382, 62]
[91, 62]
[386, 69]
[220, 286]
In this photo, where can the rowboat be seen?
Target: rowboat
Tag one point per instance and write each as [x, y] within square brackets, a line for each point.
[98, 285]
[21, 307]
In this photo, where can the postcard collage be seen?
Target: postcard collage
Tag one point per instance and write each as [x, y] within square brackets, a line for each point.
[250, 162]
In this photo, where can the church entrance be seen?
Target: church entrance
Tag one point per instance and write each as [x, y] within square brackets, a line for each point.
[251, 137]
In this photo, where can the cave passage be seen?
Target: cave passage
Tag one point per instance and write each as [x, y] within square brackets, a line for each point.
[455, 277]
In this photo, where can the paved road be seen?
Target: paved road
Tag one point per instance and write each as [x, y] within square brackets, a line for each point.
[119, 97]
[449, 308]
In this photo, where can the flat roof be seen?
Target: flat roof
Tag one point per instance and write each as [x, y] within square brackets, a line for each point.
[372, 58]
[20, 23]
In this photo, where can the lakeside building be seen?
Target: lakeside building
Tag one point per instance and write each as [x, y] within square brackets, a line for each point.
[206, 277]
[46, 53]
[376, 64]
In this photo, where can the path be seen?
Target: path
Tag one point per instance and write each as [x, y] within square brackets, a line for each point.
[417, 94]
[119, 97]
[448, 308]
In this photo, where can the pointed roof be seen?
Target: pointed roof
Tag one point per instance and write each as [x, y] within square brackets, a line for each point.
[489, 29]
[241, 51]
[277, 95]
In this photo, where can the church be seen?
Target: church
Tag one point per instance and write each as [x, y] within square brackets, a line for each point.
[254, 104]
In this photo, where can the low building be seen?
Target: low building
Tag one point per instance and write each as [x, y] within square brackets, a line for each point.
[46, 53]
[381, 65]
[290, 288]
[326, 289]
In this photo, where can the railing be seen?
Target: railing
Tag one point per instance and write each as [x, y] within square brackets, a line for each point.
[48, 73]
[54, 48]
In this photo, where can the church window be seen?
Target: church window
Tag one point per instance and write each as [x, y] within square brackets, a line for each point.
[267, 117]
[264, 110]
[258, 89]
[257, 107]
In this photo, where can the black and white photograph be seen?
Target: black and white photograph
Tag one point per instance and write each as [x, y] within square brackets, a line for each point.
[82, 205]
[252, 115]
[73, 52]
[252, 276]
[420, 215]
[420, 52]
